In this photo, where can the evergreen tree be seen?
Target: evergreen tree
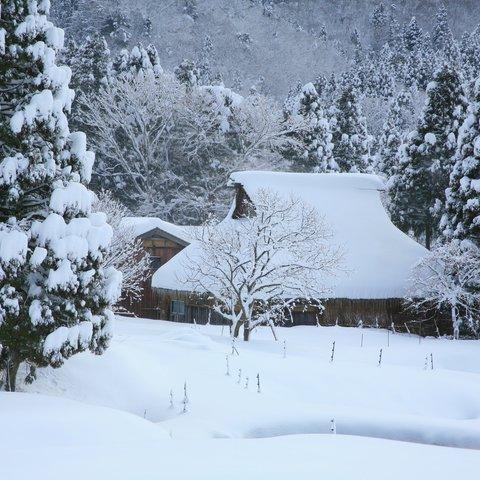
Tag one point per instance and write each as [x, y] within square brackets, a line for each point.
[187, 73]
[394, 132]
[139, 60]
[441, 30]
[54, 294]
[462, 212]
[351, 141]
[412, 36]
[470, 59]
[317, 139]
[379, 22]
[90, 63]
[418, 189]
[442, 38]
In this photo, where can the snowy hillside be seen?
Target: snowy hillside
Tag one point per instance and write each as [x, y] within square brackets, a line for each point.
[226, 422]
[248, 45]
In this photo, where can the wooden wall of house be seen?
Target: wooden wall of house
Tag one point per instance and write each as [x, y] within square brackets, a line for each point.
[151, 304]
[381, 313]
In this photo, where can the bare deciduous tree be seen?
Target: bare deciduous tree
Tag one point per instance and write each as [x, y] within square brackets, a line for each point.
[126, 252]
[449, 277]
[168, 150]
[258, 267]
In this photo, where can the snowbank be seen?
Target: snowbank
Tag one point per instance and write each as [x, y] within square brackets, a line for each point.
[236, 433]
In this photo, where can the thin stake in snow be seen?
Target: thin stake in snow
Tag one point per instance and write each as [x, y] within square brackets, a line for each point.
[284, 349]
[239, 376]
[171, 398]
[388, 338]
[380, 357]
[333, 353]
[361, 341]
[258, 383]
[431, 361]
[246, 383]
[407, 329]
[227, 373]
[333, 426]
[426, 362]
[145, 413]
[185, 398]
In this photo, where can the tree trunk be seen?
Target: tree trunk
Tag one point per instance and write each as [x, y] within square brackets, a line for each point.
[12, 369]
[246, 331]
[428, 236]
[236, 330]
[455, 323]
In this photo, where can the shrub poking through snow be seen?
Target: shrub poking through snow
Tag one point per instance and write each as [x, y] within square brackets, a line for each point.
[333, 426]
[380, 357]
[185, 400]
[55, 294]
[332, 356]
[227, 372]
[258, 383]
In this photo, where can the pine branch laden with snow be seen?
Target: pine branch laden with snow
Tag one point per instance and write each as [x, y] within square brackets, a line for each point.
[462, 209]
[316, 147]
[257, 267]
[167, 149]
[448, 279]
[55, 293]
[417, 189]
[126, 253]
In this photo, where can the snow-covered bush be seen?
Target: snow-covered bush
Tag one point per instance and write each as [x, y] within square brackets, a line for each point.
[126, 252]
[448, 278]
[55, 293]
[257, 267]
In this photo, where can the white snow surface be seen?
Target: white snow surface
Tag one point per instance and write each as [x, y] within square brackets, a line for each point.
[378, 257]
[236, 433]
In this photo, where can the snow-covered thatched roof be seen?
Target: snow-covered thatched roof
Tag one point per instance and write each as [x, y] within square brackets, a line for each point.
[377, 255]
[143, 225]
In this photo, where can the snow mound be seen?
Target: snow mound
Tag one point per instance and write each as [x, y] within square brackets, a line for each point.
[29, 421]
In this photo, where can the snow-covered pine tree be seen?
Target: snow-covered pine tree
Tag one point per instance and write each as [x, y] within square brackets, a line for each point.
[417, 190]
[54, 294]
[138, 60]
[90, 63]
[351, 141]
[187, 73]
[470, 60]
[443, 40]
[462, 211]
[316, 139]
[412, 35]
[379, 22]
[395, 128]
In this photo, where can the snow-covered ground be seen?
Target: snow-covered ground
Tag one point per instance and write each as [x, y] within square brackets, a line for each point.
[230, 431]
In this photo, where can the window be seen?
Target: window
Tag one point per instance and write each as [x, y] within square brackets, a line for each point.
[177, 307]
[155, 263]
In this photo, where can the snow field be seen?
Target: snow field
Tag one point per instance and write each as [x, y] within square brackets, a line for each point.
[61, 423]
